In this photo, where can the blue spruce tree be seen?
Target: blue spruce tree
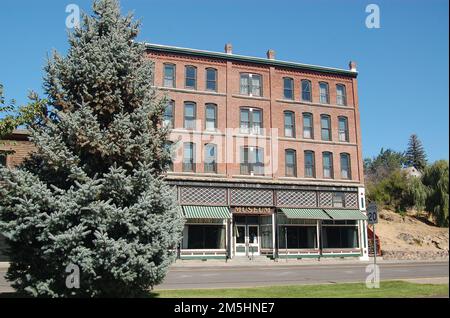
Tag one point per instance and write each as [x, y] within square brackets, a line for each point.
[93, 194]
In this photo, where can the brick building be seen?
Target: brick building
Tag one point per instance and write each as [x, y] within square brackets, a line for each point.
[267, 154]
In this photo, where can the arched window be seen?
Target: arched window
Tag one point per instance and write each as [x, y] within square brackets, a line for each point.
[289, 124]
[211, 117]
[345, 166]
[291, 163]
[310, 165]
[190, 115]
[211, 79]
[252, 160]
[288, 84]
[327, 163]
[325, 122]
[251, 84]
[191, 77]
[168, 147]
[210, 161]
[341, 95]
[169, 75]
[189, 157]
[306, 91]
[324, 93]
[251, 120]
[343, 129]
[169, 118]
[308, 128]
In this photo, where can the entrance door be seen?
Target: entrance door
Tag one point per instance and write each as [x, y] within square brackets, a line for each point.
[247, 240]
[241, 240]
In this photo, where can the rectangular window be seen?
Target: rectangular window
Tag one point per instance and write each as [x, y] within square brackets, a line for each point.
[338, 199]
[289, 124]
[189, 115]
[168, 115]
[308, 126]
[211, 79]
[345, 166]
[327, 164]
[2, 159]
[211, 117]
[343, 129]
[189, 157]
[324, 93]
[251, 84]
[251, 121]
[291, 163]
[191, 77]
[341, 95]
[340, 236]
[210, 158]
[298, 237]
[310, 169]
[252, 161]
[306, 91]
[288, 88]
[206, 237]
[169, 75]
[325, 127]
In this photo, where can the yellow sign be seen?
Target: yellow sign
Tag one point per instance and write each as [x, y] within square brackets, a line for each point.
[252, 210]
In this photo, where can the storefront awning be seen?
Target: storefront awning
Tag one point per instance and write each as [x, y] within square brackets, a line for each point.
[309, 214]
[206, 212]
[345, 214]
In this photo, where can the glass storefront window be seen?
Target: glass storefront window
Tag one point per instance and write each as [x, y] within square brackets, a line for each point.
[206, 237]
[298, 237]
[340, 237]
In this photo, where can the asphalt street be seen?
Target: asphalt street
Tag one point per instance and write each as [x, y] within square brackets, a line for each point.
[246, 276]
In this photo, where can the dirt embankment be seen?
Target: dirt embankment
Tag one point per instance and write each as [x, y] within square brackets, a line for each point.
[412, 236]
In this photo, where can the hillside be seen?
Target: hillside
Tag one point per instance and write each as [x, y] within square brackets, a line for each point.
[411, 237]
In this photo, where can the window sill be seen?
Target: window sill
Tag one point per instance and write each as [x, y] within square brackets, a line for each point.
[250, 97]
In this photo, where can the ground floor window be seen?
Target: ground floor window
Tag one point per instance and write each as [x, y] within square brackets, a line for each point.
[335, 236]
[205, 236]
[298, 237]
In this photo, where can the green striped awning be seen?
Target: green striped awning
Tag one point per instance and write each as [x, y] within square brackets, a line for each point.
[337, 214]
[309, 214]
[206, 212]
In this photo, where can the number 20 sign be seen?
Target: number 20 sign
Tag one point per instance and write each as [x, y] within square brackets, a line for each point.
[372, 213]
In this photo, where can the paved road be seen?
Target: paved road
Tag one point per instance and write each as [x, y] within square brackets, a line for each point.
[235, 276]
[210, 277]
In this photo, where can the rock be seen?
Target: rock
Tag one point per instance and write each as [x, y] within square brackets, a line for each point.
[408, 238]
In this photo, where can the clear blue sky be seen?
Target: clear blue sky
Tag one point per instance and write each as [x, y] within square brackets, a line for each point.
[403, 82]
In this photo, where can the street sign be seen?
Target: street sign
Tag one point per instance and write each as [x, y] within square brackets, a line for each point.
[372, 213]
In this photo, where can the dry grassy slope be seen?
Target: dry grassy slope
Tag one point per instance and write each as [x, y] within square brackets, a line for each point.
[410, 233]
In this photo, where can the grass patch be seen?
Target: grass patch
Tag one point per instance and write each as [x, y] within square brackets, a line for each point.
[344, 290]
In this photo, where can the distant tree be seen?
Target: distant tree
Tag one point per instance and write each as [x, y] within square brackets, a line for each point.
[415, 154]
[13, 116]
[435, 178]
[385, 163]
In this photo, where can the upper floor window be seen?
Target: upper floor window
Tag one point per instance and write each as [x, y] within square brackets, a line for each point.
[251, 84]
[168, 147]
[189, 157]
[308, 131]
[306, 91]
[210, 158]
[343, 129]
[338, 199]
[190, 114]
[2, 159]
[169, 115]
[251, 121]
[288, 88]
[289, 124]
[341, 95]
[325, 122]
[191, 77]
[252, 161]
[327, 158]
[324, 93]
[211, 79]
[169, 75]
[291, 163]
[345, 166]
[310, 166]
[211, 117]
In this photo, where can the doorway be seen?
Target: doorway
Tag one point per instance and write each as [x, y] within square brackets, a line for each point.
[247, 240]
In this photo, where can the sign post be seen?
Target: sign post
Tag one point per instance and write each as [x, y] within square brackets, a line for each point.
[372, 216]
